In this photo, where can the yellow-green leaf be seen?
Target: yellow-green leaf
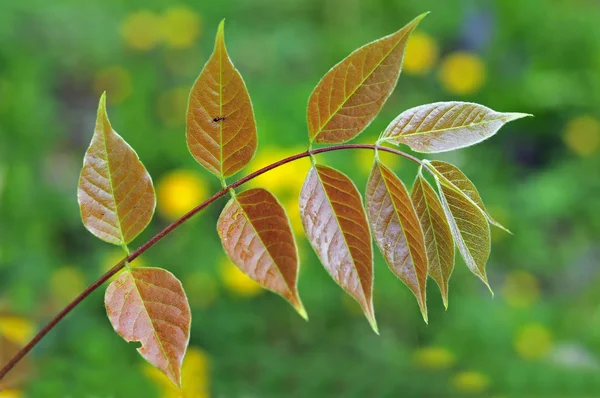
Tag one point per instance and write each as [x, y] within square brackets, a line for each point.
[438, 237]
[445, 126]
[397, 230]
[115, 194]
[352, 93]
[221, 129]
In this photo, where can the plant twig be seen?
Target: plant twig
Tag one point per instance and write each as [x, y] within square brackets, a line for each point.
[40, 335]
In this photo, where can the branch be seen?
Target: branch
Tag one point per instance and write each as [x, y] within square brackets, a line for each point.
[25, 350]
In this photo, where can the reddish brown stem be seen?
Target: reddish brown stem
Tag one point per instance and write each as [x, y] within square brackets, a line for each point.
[174, 225]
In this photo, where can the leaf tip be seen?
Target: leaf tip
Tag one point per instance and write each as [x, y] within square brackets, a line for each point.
[299, 307]
[373, 324]
[445, 301]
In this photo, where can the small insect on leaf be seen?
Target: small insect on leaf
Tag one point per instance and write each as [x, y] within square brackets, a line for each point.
[445, 126]
[221, 129]
[352, 93]
[149, 305]
[115, 193]
[397, 230]
[256, 234]
[335, 223]
[438, 237]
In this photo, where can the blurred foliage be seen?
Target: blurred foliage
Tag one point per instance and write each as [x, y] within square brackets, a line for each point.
[539, 337]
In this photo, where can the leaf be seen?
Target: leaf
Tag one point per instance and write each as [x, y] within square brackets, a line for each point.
[397, 230]
[445, 126]
[438, 237]
[336, 225]
[115, 193]
[470, 230]
[451, 176]
[221, 130]
[257, 236]
[352, 93]
[149, 305]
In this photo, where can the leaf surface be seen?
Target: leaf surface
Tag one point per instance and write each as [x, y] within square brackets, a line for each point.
[256, 234]
[149, 305]
[445, 126]
[221, 129]
[352, 93]
[115, 193]
[397, 230]
[335, 223]
[439, 243]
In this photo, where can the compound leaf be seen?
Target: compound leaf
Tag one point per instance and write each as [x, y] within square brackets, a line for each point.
[221, 129]
[149, 305]
[256, 234]
[397, 230]
[438, 237]
[352, 93]
[445, 126]
[115, 193]
[335, 223]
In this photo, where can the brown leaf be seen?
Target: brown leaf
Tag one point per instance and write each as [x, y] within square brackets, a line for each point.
[257, 236]
[446, 126]
[438, 237]
[115, 192]
[397, 230]
[149, 305]
[221, 130]
[352, 93]
[336, 225]
[452, 177]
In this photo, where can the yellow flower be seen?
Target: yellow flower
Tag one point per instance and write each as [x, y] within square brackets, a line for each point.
[116, 81]
[237, 282]
[533, 341]
[582, 135]
[292, 208]
[178, 192]
[172, 105]
[10, 394]
[17, 330]
[433, 358]
[462, 73]
[470, 382]
[421, 54]
[180, 27]
[201, 289]
[520, 289]
[286, 180]
[365, 158]
[194, 377]
[140, 30]
[66, 283]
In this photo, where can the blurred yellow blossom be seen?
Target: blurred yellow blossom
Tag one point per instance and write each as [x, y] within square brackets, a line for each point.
[365, 158]
[421, 54]
[66, 283]
[520, 289]
[194, 377]
[180, 26]
[179, 191]
[462, 73]
[10, 393]
[141, 30]
[286, 179]
[116, 81]
[533, 341]
[171, 106]
[16, 329]
[201, 289]
[470, 382]
[433, 358]
[292, 208]
[582, 135]
[237, 282]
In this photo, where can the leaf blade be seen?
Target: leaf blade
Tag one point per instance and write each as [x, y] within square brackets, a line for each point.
[446, 126]
[115, 192]
[351, 114]
[397, 231]
[221, 128]
[162, 315]
[336, 225]
[256, 213]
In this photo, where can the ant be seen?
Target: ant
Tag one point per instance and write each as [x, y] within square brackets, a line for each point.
[218, 119]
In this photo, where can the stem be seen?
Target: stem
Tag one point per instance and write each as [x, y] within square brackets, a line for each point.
[174, 225]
